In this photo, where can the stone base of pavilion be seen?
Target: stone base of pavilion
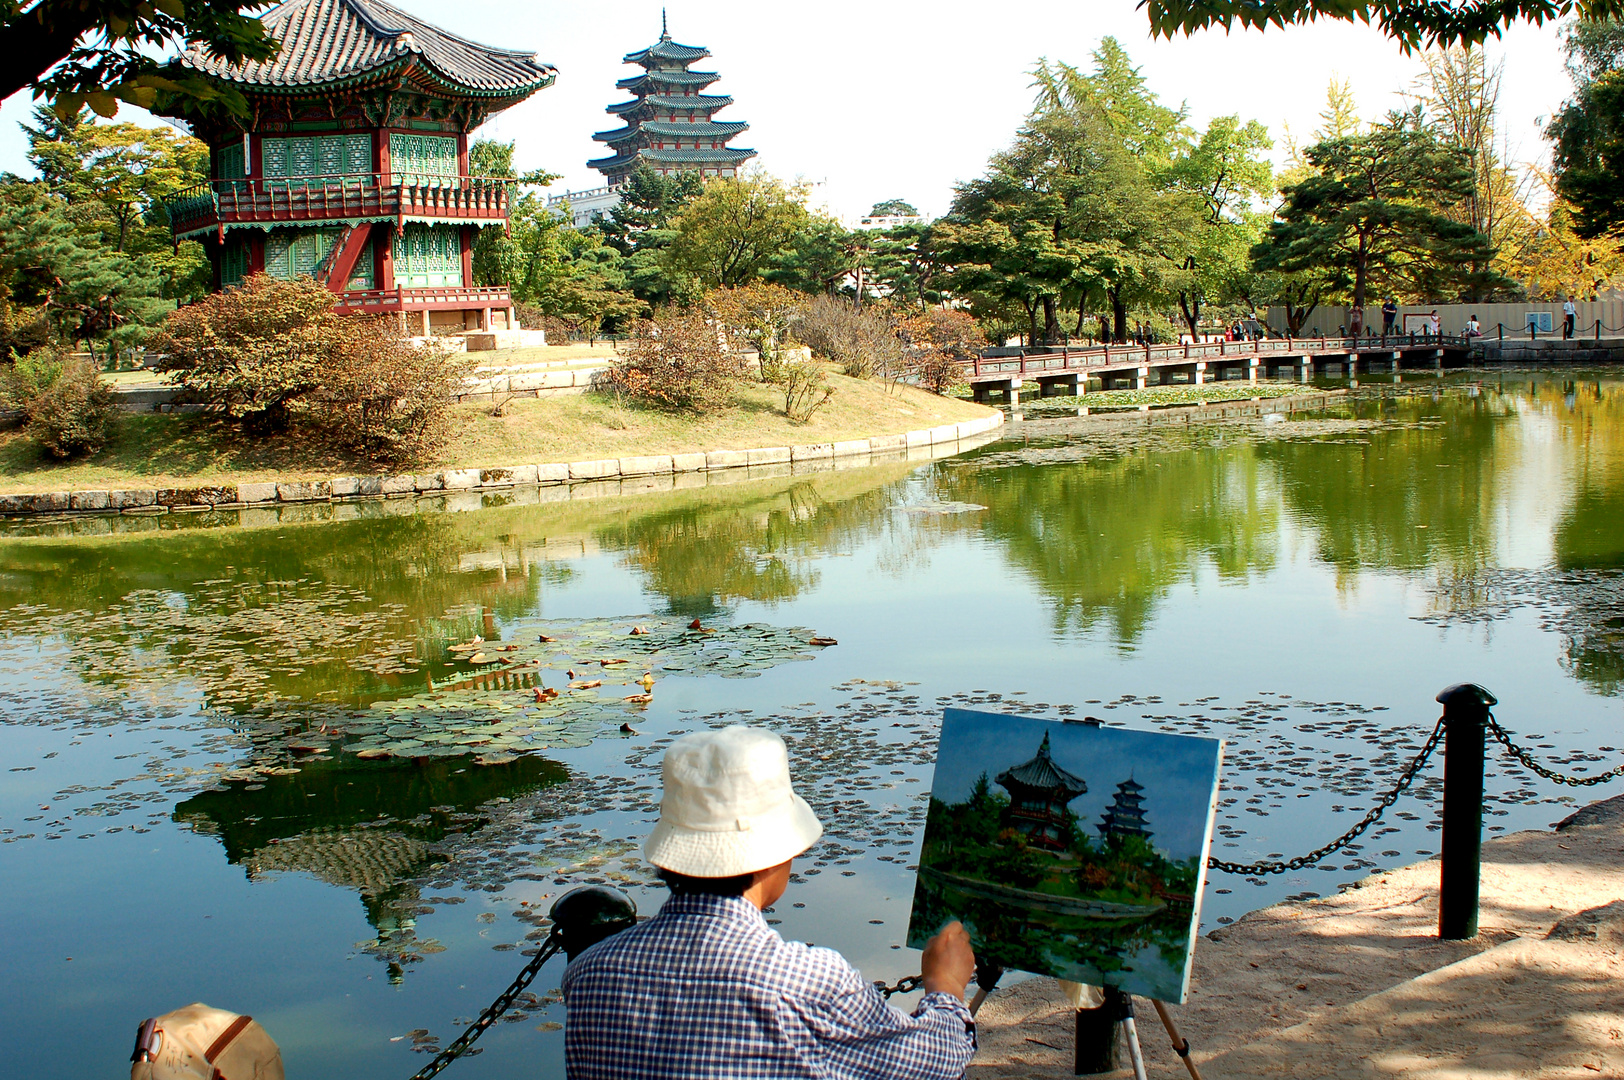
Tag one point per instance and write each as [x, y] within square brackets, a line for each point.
[1358, 984]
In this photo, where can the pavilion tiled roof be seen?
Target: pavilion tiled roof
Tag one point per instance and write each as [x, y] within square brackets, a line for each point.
[335, 41]
[666, 49]
[704, 129]
[1042, 773]
[653, 79]
[698, 158]
[674, 101]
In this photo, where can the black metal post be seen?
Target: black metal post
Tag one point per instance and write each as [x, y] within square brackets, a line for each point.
[1099, 1035]
[1466, 711]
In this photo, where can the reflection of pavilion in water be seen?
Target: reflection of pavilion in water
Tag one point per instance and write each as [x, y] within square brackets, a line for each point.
[371, 826]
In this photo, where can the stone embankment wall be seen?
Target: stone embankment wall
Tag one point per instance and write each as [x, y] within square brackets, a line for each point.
[643, 473]
[1536, 353]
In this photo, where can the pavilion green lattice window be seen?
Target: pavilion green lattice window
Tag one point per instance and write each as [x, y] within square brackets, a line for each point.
[317, 155]
[289, 253]
[228, 162]
[233, 263]
[422, 159]
[428, 255]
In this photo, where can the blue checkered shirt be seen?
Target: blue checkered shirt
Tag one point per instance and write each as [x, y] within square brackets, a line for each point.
[706, 989]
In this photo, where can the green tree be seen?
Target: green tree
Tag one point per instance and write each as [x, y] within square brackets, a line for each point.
[1589, 131]
[904, 267]
[893, 208]
[79, 286]
[98, 52]
[1371, 218]
[819, 256]
[735, 228]
[497, 252]
[1227, 171]
[640, 227]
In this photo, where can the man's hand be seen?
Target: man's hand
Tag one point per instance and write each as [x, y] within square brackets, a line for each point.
[948, 962]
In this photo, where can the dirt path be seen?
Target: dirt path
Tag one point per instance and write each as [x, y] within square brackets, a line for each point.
[1358, 985]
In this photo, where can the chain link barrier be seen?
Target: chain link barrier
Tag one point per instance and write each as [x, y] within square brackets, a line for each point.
[906, 985]
[460, 1045]
[1503, 737]
[1374, 815]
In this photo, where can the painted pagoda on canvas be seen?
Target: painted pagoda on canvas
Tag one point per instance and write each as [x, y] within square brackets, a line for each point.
[668, 124]
[351, 164]
[1039, 791]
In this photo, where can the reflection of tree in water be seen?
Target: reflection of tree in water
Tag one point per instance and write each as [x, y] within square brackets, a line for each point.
[701, 557]
[1416, 491]
[373, 826]
[1581, 597]
[315, 613]
[1107, 539]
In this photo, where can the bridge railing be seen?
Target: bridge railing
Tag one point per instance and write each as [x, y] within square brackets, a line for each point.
[1069, 359]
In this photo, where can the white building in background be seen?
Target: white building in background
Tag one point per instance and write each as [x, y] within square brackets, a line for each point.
[585, 205]
[891, 221]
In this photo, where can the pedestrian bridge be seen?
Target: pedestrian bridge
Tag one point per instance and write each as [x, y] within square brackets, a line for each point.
[1067, 370]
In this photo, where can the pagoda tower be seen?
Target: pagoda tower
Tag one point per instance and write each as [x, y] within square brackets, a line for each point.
[1126, 814]
[668, 124]
[351, 163]
[1038, 793]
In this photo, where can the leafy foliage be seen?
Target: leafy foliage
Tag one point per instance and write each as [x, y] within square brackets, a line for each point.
[100, 52]
[67, 407]
[1589, 131]
[54, 273]
[382, 397]
[272, 352]
[806, 388]
[732, 231]
[940, 341]
[1369, 219]
[1411, 24]
[677, 361]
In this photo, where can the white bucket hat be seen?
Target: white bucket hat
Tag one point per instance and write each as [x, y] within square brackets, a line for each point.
[728, 807]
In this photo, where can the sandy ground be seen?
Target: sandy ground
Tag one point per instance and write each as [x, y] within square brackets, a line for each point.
[1358, 985]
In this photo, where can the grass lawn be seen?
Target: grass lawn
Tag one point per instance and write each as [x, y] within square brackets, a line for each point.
[184, 450]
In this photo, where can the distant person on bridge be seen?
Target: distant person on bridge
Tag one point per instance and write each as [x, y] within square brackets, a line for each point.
[1472, 328]
[1570, 315]
[1434, 324]
[706, 989]
[1389, 316]
[1356, 317]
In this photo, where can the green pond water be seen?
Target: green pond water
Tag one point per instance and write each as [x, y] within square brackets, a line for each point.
[246, 766]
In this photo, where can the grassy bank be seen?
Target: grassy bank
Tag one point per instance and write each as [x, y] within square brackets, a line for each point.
[183, 450]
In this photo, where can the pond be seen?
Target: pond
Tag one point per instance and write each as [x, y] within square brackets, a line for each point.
[270, 769]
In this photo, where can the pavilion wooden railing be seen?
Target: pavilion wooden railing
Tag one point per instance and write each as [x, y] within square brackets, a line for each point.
[218, 203]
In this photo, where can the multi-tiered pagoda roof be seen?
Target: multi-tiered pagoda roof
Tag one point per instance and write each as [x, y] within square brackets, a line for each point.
[668, 122]
[1126, 814]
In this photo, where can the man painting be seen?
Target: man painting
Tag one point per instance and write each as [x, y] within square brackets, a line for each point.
[706, 989]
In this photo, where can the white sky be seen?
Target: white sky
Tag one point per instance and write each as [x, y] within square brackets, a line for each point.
[904, 98]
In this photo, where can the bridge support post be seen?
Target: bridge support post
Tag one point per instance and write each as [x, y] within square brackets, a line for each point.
[1200, 372]
[1142, 378]
[1014, 394]
[1307, 373]
[1251, 370]
[1353, 365]
[1438, 361]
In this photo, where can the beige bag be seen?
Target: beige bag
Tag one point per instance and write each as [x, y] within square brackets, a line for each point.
[200, 1043]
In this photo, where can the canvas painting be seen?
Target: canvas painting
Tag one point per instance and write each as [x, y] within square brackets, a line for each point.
[1070, 849]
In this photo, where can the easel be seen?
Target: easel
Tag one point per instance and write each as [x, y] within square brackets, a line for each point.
[1096, 1031]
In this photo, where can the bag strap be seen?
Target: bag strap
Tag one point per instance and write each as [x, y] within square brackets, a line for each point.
[233, 1029]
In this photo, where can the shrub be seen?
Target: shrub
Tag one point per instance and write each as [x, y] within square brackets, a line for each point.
[863, 343]
[254, 350]
[939, 342]
[382, 397]
[806, 390]
[759, 316]
[68, 406]
[677, 361]
[273, 354]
